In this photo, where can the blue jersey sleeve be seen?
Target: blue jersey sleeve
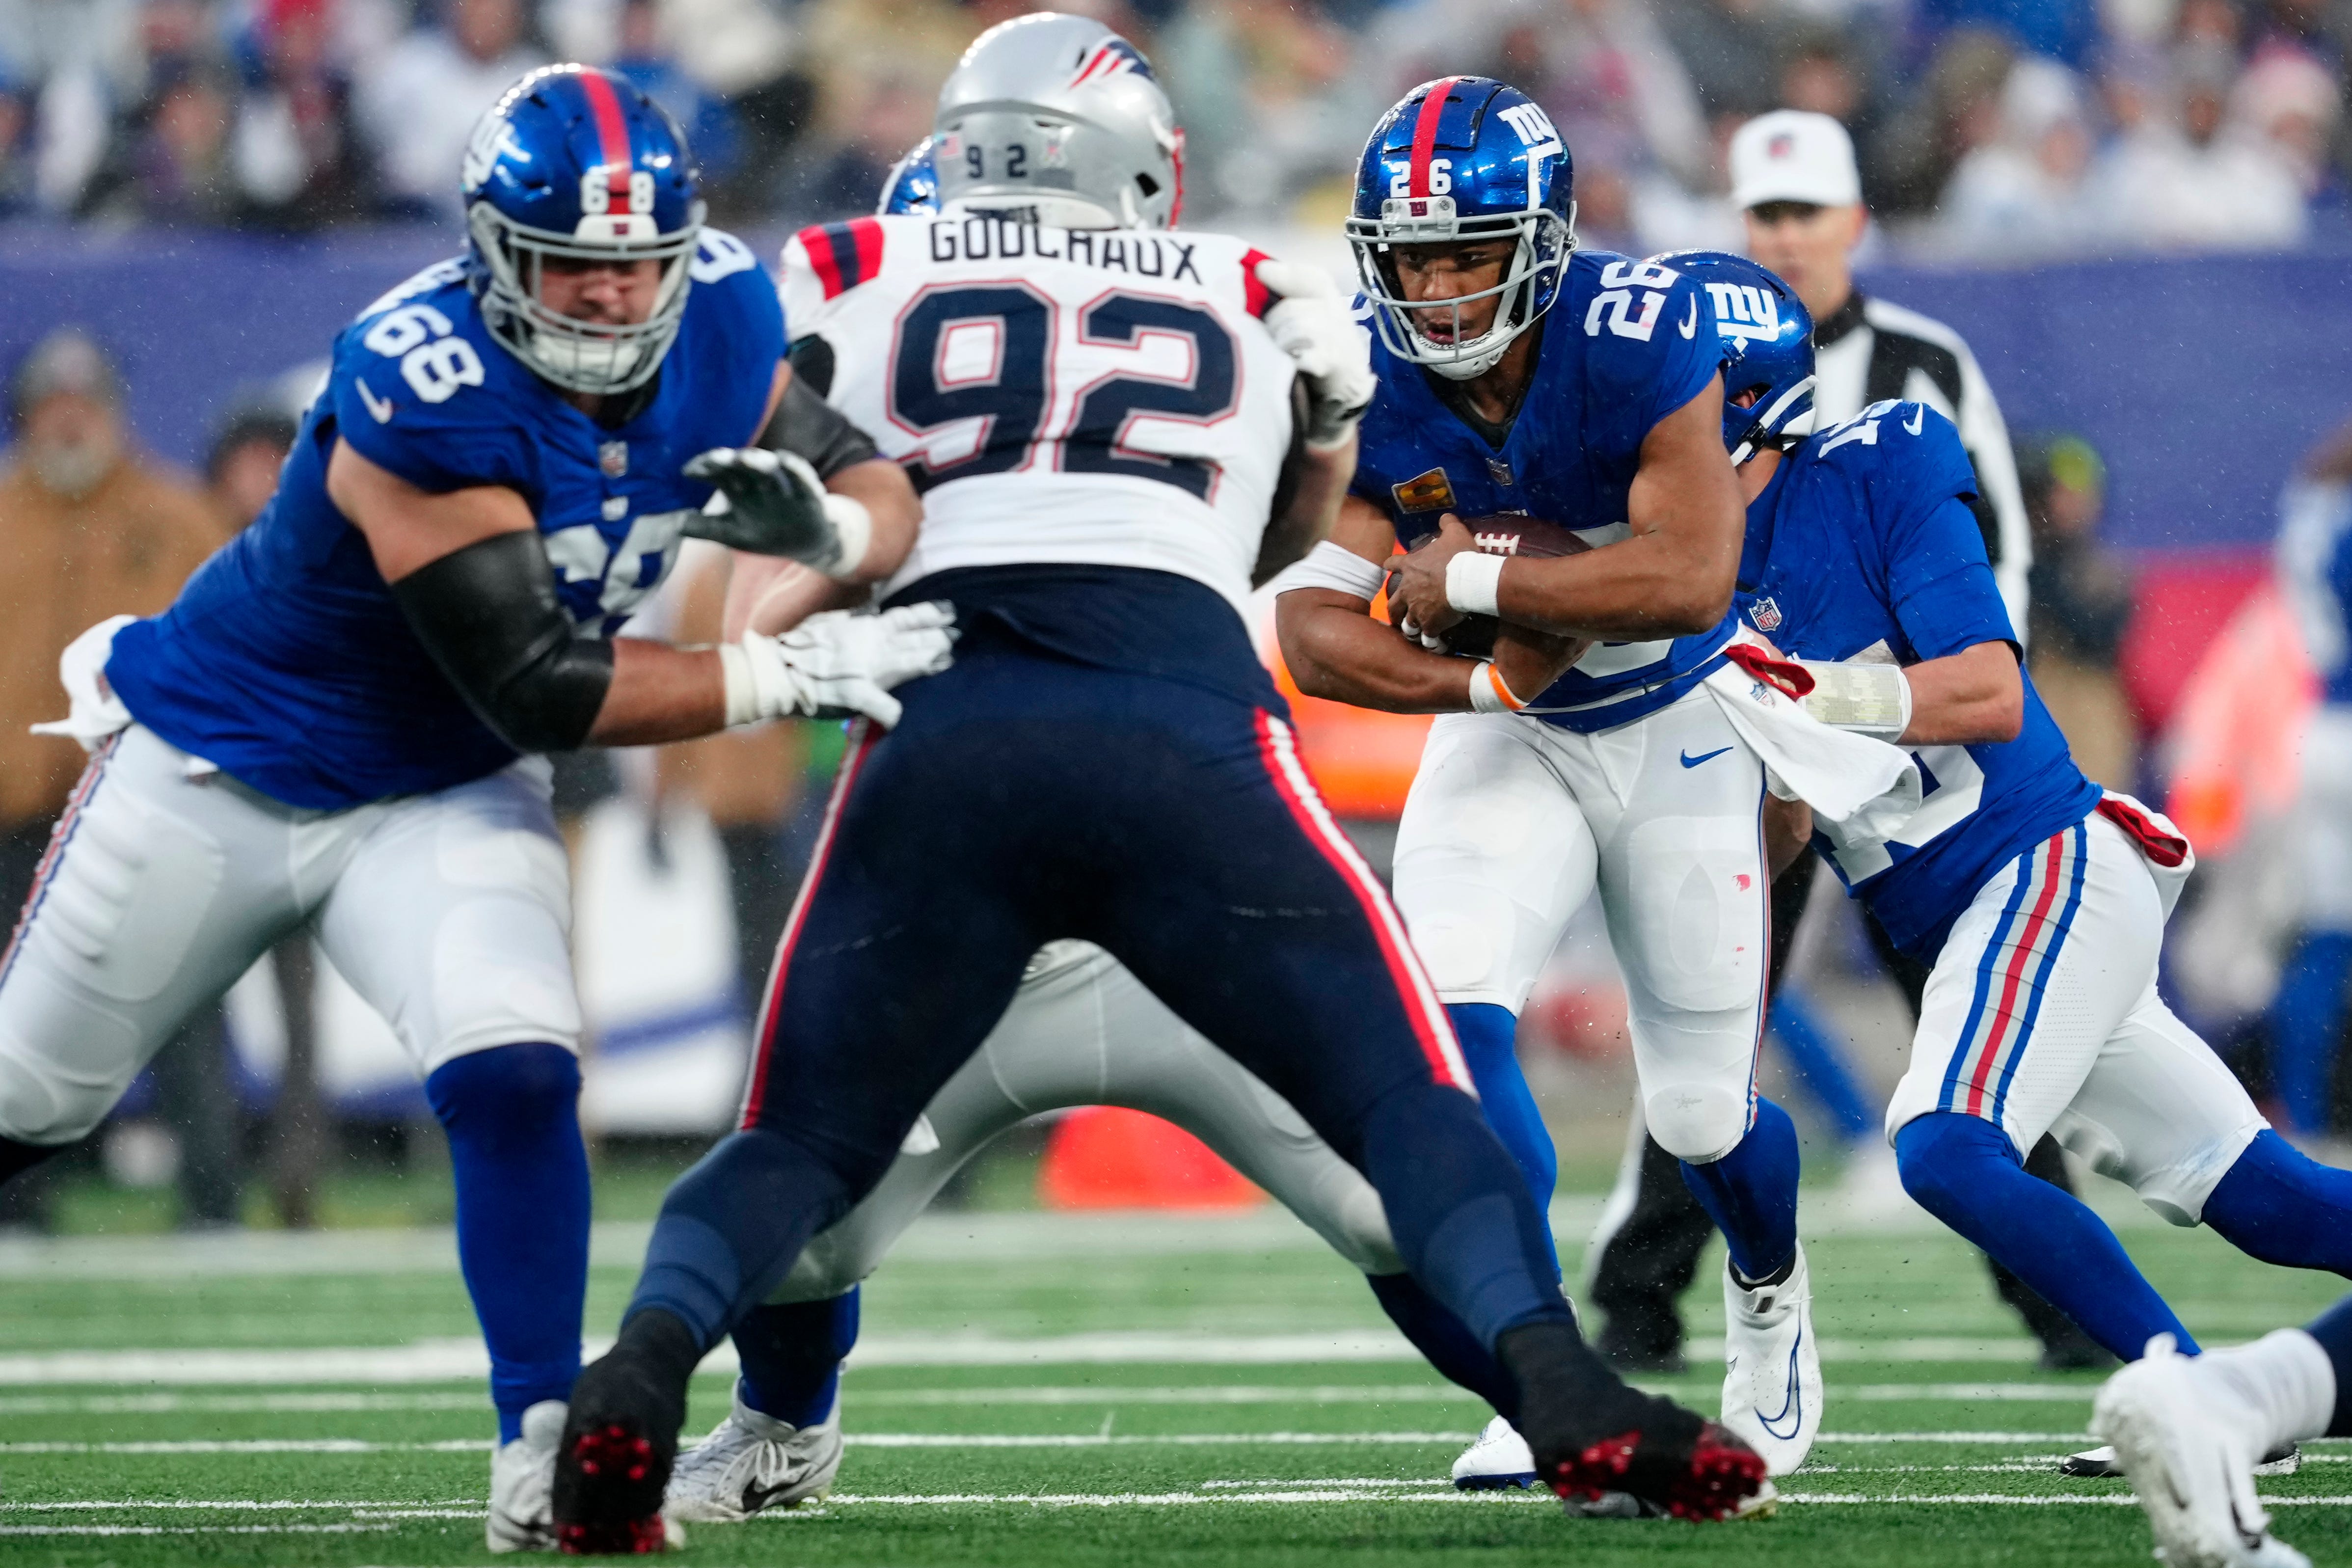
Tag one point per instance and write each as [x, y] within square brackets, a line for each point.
[1650, 348]
[417, 390]
[1939, 580]
[748, 329]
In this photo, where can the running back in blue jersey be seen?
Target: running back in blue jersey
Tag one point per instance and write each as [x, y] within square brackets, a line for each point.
[1628, 343]
[1862, 547]
[286, 661]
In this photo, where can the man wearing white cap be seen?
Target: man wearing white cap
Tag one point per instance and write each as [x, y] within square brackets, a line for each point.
[1793, 176]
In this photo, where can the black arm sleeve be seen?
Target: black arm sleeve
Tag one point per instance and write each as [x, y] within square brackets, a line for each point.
[488, 616]
[811, 429]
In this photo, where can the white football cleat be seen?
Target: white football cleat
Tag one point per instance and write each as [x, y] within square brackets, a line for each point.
[522, 1479]
[1500, 1458]
[2188, 1441]
[1772, 1366]
[753, 1461]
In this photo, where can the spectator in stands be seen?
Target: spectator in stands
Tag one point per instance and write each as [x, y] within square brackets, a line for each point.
[169, 159]
[89, 528]
[418, 105]
[1732, 49]
[297, 147]
[1267, 101]
[1954, 111]
[15, 146]
[2082, 600]
[2314, 574]
[710, 124]
[2295, 104]
[2023, 195]
[241, 470]
[2190, 180]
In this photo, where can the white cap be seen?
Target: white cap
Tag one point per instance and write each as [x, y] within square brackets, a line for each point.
[1789, 155]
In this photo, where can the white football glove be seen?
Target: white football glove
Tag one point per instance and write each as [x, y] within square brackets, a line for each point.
[1309, 321]
[842, 662]
[773, 503]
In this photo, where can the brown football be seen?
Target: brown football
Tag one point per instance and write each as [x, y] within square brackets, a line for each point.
[1502, 533]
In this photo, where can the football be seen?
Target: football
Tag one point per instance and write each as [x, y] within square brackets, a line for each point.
[1501, 533]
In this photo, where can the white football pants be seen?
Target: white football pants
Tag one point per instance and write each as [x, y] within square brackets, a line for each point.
[1512, 823]
[1083, 1031]
[2041, 1015]
[166, 880]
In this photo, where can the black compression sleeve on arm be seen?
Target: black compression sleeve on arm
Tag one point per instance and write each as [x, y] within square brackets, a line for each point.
[488, 616]
[814, 430]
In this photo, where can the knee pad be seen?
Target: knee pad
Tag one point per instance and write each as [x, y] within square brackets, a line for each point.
[1697, 1121]
[38, 1105]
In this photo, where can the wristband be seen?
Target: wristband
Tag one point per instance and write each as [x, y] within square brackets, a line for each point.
[1489, 692]
[1473, 580]
[742, 686]
[1872, 700]
[853, 527]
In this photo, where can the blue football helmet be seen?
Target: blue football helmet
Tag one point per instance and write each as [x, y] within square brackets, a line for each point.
[914, 184]
[577, 165]
[1463, 158]
[1767, 350]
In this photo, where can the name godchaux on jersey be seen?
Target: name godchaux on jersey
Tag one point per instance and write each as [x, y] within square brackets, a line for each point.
[989, 236]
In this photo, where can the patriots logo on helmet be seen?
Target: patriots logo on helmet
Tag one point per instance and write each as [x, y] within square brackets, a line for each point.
[1110, 57]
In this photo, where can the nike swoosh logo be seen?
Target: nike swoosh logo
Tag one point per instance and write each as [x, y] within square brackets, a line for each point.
[757, 1497]
[380, 408]
[1792, 1405]
[1690, 323]
[1912, 424]
[1691, 761]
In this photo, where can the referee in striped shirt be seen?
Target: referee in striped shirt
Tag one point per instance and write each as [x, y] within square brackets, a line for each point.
[1794, 178]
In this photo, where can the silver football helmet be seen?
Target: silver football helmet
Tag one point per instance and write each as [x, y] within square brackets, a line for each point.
[1060, 114]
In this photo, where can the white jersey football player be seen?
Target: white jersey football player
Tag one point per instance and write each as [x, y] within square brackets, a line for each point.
[1097, 408]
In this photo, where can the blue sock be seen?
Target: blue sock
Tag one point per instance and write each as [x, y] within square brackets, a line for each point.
[2306, 1023]
[1964, 1171]
[513, 1114]
[1488, 1032]
[2284, 1208]
[2333, 1329]
[1751, 1193]
[1443, 1338]
[1820, 1061]
[718, 1247]
[791, 1353]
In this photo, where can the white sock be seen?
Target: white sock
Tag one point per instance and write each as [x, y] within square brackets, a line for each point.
[2286, 1377]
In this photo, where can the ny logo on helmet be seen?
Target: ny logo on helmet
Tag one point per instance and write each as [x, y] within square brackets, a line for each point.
[1745, 312]
[1534, 126]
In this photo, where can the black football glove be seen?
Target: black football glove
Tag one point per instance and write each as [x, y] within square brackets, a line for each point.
[770, 503]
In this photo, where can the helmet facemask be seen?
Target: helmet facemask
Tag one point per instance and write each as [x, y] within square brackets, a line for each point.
[1543, 241]
[594, 357]
[1780, 421]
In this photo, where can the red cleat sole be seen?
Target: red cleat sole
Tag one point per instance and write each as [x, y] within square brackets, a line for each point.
[1720, 1474]
[617, 1456]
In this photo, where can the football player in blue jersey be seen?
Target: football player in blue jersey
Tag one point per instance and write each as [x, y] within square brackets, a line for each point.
[1567, 401]
[1107, 762]
[336, 726]
[2038, 900]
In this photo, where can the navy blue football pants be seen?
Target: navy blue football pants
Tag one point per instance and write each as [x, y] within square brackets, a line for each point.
[1026, 797]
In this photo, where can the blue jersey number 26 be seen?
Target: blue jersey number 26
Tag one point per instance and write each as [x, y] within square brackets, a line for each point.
[1010, 395]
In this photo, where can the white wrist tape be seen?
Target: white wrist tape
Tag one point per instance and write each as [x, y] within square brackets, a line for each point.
[1489, 692]
[743, 686]
[1333, 566]
[1873, 699]
[853, 525]
[1472, 582]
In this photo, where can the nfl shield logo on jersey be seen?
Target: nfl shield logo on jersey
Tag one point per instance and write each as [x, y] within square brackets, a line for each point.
[1766, 614]
[612, 457]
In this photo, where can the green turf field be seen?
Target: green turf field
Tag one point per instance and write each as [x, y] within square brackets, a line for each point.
[1035, 1390]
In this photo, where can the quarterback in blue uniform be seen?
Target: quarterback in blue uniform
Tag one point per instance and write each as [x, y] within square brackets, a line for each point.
[1536, 390]
[335, 728]
[2038, 900]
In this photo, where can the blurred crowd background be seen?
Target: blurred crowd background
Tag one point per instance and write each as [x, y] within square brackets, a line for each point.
[1987, 128]
[2136, 210]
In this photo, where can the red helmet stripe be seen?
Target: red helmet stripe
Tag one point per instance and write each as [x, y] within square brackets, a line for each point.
[1424, 132]
[612, 130]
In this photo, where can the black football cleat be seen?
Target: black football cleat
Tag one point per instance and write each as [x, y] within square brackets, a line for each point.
[619, 1442]
[1591, 1435]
